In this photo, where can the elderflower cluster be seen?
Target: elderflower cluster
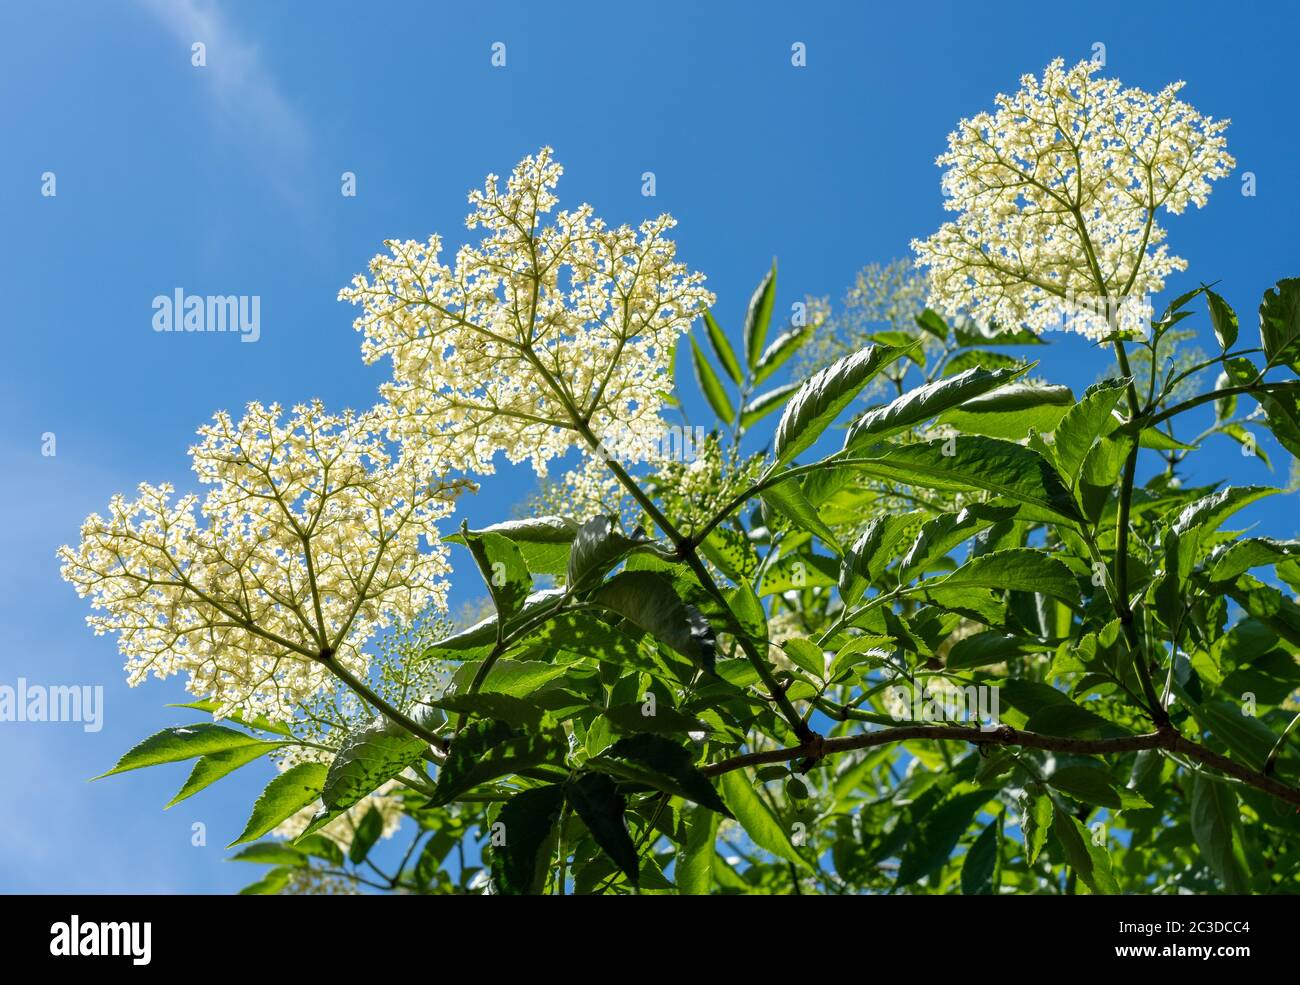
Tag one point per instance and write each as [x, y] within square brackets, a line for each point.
[1057, 193]
[309, 541]
[539, 331]
[694, 489]
[587, 490]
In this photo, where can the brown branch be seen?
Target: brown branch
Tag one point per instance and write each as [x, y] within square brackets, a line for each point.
[1167, 739]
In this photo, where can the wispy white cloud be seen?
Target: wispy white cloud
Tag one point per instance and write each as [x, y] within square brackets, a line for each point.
[244, 92]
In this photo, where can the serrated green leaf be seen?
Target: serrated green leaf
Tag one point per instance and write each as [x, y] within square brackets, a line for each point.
[1022, 569]
[595, 799]
[722, 348]
[788, 499]
[367, 758]
[694, 871]
[1091, 419]
[927, 401]
[528, 820]
[758, 316]
[209, 769]
[1224, 320]
[283, 797]
[822, 397]
[1215, 822]
[714, 392]
[759, 823]
[1279, 323]
[544, 541]
[181, 742]
[765, 403]
[649, 601]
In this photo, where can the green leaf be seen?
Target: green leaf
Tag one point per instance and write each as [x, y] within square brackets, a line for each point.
[935, 834]
[485, 750]
[981, 862]
[209, 769]
[1012, 411]
[367, 758]
[779, 352]
[927, 401]
[284, 796]
[1022, 569]
[788, 499]
[270, 884]
[259, 722]
[878, 544]
[821, 399]
[321, 847]
[503, 569]
[1086, 785]
[759, 316]
[1000, 467]
[477, 640]
[748, 610]
[364, 836]
[1247, 738]
[807, 656]
[667, 766]
[1282, 412]
[765, 403]
[521, 863]
[587, 634]
[597, 548]
[722, 348]
[181, 742]
[543, 541]
[694, 871]
[931, 321]
[1100, 473]
[992, 647]
[947, 531]
[1209, 512]
[1224, 320]
[667, 720]
[503, 707]
[1091, 862]
[1254, 552]
[799, 571]
[517, 678]
[1052, 712]
[595, 798]
[1036, 817]
[759, 823]
[649, 601]
[270, 853]
[1215, 825]
[1091, 419]
[1279, 323]
[710, 385]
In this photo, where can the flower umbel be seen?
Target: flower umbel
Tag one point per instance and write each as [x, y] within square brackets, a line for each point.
[537, 331]
[307, 543]
[1057, 193]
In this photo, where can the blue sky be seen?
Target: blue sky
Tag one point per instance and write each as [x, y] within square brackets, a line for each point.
[225, 179]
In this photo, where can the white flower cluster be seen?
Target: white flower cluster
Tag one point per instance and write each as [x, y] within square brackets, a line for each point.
[308, 542]
[1057, 193]
[538, 331]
